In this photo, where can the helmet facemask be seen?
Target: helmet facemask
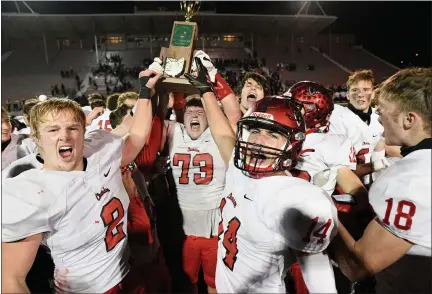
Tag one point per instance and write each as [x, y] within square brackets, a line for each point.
[257, 160]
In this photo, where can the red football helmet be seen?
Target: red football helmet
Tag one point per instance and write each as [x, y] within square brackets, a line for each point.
[274, 116]
[317, 103]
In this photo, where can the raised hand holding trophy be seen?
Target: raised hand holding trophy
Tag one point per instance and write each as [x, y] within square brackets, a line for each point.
[178, 57]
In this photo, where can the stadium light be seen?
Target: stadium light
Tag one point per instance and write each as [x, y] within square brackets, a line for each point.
[417, 54]
[402, 61]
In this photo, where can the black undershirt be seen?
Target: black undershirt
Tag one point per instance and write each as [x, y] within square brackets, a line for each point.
[5, 144]
[424, 144]
[364, 116]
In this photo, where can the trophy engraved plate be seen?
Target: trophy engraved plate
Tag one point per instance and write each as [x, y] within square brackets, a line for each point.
[182, 35]
[178, 57]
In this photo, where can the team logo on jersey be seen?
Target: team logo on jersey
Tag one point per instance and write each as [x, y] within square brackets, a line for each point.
[101, 193]
[230, 197]
[263, 115]
[192, 149]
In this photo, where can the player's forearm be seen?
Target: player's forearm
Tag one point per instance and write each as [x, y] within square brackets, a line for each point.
[220, 127]
[351, 184]
[317, 273]
[364, 169]
[232, 110]
[14, 284]
[341, 250]
[123, 129]
[139, 130]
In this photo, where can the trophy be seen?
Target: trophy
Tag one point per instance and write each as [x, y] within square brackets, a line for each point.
[178, 57]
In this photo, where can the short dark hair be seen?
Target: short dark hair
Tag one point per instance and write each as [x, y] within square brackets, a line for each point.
[97, 103]
[95, 96]
[116, 116]
[193, 100]
[260, 79]
[111, 102]
[360, 75]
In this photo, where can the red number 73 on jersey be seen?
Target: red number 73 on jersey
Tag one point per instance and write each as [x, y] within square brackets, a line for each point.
[320, 233]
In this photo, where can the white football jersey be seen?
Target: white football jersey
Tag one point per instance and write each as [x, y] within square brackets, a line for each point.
[14, 150]
[261, 219]
[363, 137]
[101, 123]
[328, 153]
[401, 198]
[198, 168]
[83, 215]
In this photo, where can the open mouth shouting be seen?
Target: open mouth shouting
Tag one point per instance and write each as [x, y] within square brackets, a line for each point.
[65, 152]
[195, 125]
[252, 97]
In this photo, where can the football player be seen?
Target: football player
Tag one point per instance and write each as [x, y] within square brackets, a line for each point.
[12, 146]
[359, 123]
[265, 224]
[76, 204]
[253, 88]
[199, 174]
[396, 245]
[327, 159]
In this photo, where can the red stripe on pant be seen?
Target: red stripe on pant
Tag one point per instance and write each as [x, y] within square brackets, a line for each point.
[298, 279]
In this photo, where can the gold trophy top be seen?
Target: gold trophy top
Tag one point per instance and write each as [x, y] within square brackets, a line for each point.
[190, 8]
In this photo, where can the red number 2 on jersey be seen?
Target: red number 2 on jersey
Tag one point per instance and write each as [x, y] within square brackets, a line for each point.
[206, 168]
[400, 214]
[113, 222]
[320, 233]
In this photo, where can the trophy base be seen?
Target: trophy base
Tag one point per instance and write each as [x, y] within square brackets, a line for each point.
[176, 85]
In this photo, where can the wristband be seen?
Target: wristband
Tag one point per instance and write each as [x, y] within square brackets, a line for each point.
[221, 87]
[377, 159]
[144, 92]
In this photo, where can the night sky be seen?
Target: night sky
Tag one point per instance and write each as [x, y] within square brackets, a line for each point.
[395, 31]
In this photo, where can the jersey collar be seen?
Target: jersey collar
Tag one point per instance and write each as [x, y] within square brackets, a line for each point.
[424, 144]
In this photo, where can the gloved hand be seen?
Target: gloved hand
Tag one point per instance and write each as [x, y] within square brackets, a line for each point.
[205, 59]
[201, 81]
[221, 88]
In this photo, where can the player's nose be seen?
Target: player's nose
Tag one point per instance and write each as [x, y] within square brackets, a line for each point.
[65, 135]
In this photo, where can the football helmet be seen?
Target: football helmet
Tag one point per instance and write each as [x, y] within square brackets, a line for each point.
[317, 103]
[272, 115]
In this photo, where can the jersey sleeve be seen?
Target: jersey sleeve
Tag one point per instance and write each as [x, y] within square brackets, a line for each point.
[25, 207]
[401, 209]
[306, 224]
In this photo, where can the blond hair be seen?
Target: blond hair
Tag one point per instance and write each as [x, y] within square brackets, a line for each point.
[127, 95]
[360, 75]
[4, 114]
[54, 106]
[411, 90]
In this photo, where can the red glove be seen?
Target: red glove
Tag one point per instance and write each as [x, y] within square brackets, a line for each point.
[221, 87]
